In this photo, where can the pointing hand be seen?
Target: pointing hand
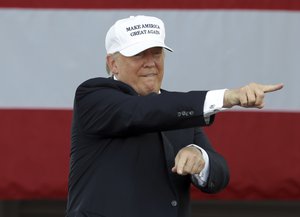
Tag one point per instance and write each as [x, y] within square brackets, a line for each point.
[249, 96]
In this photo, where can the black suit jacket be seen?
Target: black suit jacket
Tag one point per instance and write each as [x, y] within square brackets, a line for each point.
[124, 146]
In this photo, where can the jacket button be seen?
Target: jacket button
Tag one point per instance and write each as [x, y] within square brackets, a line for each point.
[174, 203]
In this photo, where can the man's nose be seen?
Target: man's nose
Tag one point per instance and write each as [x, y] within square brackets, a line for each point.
[149, 60]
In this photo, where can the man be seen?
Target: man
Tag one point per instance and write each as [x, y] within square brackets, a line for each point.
[137, 148]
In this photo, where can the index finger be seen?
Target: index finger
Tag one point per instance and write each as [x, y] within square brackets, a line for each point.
[272, 87]
[180, 164]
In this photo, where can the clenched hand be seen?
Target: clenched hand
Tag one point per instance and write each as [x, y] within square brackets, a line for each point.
[189, 160]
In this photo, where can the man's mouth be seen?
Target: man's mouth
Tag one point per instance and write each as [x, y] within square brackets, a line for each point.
[150, 75]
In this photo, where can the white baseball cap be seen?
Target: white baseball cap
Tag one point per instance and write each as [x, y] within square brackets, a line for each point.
[135, 34]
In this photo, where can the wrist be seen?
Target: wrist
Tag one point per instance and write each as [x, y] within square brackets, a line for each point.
[229, 99]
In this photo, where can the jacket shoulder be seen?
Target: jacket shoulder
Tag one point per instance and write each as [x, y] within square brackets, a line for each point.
[98, 83]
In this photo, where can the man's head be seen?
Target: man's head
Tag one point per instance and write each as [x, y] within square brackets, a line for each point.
[135, 52]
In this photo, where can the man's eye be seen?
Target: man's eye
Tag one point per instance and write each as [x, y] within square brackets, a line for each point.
[157, 51]
[157, 54]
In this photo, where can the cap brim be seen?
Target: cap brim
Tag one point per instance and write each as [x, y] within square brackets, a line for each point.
[141, 46]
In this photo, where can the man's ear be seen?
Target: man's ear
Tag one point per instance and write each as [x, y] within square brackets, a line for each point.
[111, 64]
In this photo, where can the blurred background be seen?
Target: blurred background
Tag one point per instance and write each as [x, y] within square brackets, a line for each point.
[48, 47]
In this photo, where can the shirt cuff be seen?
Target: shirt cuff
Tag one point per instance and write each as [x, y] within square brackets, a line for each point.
[213, 102]
[202, 177]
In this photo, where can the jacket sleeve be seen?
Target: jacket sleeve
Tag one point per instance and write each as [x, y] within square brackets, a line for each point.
[113, 109]
[218, 170]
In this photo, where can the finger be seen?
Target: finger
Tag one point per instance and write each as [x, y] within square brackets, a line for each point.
[243, 97]
[187, 169]
[196, 169]
[251, 96]
[180, 165]
[199, 165]
[174, 169]
[272, 87]
[259, 103]
[193, 164]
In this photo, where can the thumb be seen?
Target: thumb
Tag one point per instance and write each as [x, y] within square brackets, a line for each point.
[271, 87]
[174, 169]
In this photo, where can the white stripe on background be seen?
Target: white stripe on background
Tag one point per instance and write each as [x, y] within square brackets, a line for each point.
[45, 54]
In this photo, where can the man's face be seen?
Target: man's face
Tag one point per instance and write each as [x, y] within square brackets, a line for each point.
[143, 72]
